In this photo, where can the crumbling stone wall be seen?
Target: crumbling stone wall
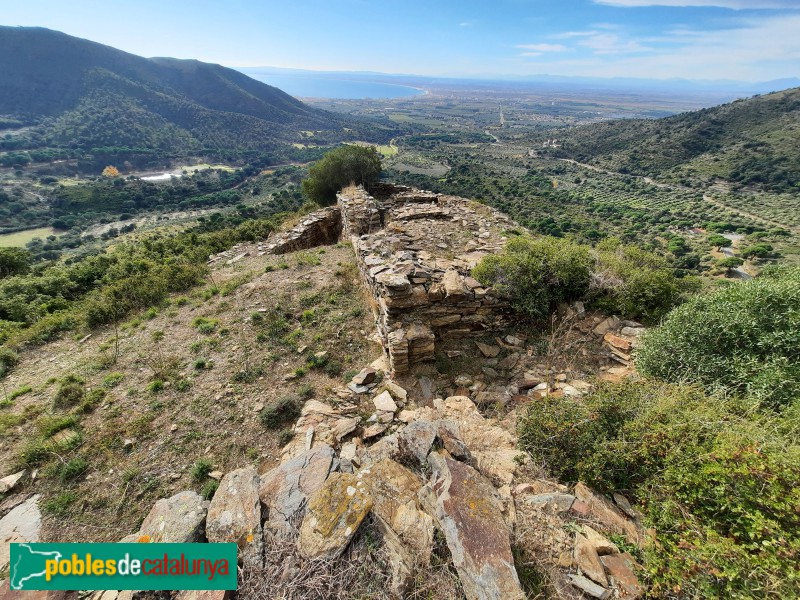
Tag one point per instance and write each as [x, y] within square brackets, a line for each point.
[415, 250]
[320, 228]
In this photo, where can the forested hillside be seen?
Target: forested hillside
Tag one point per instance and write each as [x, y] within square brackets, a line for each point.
[750, 142]
[85, 96]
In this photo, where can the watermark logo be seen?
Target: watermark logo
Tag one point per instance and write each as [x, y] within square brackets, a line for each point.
[123, 567]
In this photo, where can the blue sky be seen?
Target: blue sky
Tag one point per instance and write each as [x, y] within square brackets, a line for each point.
[751, 40]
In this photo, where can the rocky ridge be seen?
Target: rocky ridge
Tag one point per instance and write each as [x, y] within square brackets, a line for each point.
[419, 463]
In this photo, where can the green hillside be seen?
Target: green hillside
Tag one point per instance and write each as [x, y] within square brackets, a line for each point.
[750, 142]
[86, 96]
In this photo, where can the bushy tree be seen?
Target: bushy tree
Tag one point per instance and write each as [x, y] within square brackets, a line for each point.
[633, 282]
[14, 261]
[339, 167]
[719, 241]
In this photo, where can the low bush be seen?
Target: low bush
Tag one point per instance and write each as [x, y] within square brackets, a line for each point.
[537, 274]
[283, 410]
[69, 393]
[744, 338]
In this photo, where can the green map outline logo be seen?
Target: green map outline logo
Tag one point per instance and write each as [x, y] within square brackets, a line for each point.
[128, 566]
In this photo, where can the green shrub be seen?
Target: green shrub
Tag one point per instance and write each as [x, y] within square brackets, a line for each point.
[284, 410]
[72, 469]
[630, 281]
[50, 425]
[537, 274]
[209, 489]
[716, 477]
[112, 380]
[744, 338]
[19, 392]
[155, 386]
[8, 358]
[60, 505]
[305, 391]
[69, 393]
[333, 368]
[201, 469]
[285, 436]
[91, 400]
[204, 325]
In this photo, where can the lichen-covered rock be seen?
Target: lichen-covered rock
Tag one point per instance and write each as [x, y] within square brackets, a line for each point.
[285, 489]
[394, 491]
[468, 511]
[177, 519]
[334, 514]
[234, 514]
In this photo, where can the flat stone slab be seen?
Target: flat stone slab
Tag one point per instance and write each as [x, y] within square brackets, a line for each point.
[21, 524]
[469, 512]
[8, 482]
[384, 402]
[285, 489]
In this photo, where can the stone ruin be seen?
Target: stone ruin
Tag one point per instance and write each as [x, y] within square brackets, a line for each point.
[415, 250]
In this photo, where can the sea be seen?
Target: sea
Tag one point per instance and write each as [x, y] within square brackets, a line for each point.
[303, 86]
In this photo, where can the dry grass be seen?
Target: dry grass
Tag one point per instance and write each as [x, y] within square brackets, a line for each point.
[362, 572]
[208, 384]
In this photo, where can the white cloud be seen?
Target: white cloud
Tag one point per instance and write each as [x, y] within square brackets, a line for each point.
[732, 4]
[573, 34]
[530, 54]
[543, 47]
[465, 24]
[755, 50]
[609, 43]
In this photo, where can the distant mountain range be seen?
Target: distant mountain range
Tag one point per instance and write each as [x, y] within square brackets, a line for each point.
[87, 95]
[751, 142]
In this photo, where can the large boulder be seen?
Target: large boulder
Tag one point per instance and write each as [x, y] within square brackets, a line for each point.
[177, 519]
[469, 512]
[285, 489]
[21, 524]
[334, 515]
[234, 514]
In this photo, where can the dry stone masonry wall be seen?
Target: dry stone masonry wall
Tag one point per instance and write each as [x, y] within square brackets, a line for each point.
[415, 250]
